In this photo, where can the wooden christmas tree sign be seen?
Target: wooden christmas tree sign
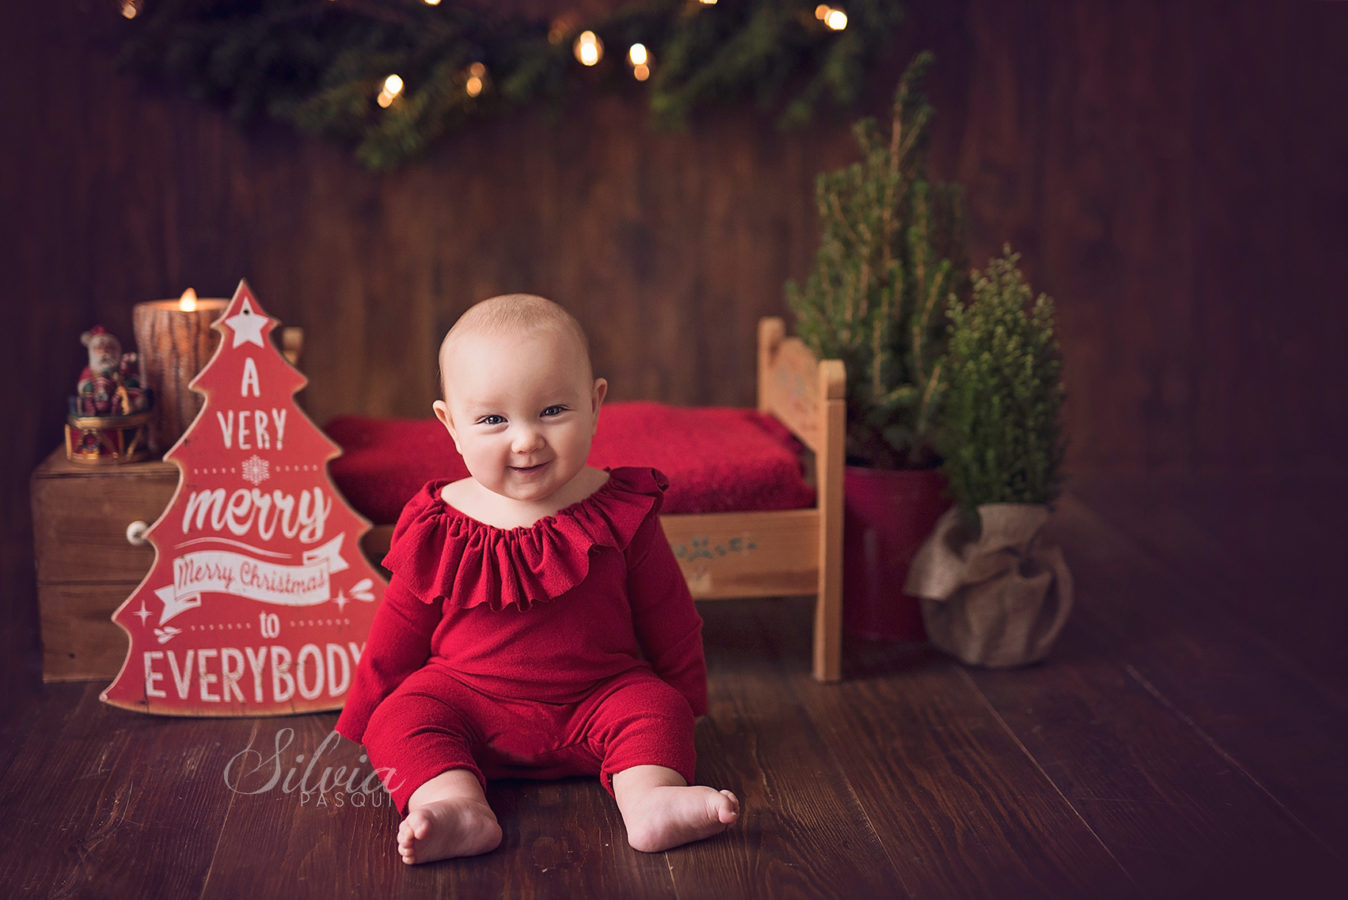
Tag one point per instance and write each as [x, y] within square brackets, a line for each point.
[259, 599]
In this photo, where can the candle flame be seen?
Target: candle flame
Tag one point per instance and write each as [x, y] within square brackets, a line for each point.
[188, 301]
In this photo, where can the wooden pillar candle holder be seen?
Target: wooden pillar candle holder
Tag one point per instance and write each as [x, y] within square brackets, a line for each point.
[175, 340]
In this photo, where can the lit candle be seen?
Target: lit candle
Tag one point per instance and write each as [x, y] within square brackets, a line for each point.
[174, 340]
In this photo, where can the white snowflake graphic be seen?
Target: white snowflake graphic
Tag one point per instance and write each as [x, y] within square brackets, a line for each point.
[255, 470]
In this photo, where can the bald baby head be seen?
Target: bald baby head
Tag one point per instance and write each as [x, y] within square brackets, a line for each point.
[513, 315]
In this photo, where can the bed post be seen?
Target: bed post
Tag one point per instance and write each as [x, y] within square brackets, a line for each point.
[809, 395]
[829, 462]
[771, 333]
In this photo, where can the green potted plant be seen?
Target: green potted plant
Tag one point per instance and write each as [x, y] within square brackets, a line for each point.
[993, 592]
[890, 258]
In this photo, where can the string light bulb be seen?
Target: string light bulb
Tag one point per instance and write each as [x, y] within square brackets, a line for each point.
[432, 2]
[393, 86]
[640, 59]
[477, 79]
[708, 2]
[588, 48]
[831, 16]
[130, 8]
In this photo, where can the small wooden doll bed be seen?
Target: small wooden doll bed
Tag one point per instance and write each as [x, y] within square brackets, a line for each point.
[754, 507]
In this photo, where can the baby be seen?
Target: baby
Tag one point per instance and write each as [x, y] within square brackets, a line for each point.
[536, 623]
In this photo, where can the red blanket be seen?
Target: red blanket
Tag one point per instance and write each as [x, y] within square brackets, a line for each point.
[717, 459]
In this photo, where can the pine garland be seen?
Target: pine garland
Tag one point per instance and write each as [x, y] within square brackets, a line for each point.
[890, 256]
[319, 64]
[1003, 429]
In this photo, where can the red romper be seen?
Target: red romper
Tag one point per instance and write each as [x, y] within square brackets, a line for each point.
[570, 647]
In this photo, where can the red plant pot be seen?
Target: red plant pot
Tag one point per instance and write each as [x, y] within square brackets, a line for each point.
[887, 515]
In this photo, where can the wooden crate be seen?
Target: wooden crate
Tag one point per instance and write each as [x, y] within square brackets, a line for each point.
[86, 566]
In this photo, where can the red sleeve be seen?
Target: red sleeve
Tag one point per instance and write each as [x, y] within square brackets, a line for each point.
[398, 645]
[668, 627]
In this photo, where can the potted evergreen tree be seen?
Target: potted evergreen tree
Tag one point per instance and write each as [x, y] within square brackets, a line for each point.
[993, 592]
[891, 255]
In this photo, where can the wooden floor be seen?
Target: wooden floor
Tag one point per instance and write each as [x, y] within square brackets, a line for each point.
[1188, 738]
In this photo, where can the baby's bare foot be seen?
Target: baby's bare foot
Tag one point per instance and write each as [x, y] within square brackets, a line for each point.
[670, 815]
[446, 829]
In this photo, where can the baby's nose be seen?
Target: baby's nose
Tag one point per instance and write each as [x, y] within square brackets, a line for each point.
[526, 440]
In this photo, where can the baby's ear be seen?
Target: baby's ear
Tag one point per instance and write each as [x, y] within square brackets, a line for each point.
[600, 392]
[442, 413]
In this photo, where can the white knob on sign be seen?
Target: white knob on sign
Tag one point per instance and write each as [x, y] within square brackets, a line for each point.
[135, 533]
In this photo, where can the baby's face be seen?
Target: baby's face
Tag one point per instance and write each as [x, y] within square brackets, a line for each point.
[522, 410]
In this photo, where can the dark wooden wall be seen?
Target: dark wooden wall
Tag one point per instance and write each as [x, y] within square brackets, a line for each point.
[1174, 174]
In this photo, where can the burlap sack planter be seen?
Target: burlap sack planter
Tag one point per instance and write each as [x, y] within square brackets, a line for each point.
[999, 599]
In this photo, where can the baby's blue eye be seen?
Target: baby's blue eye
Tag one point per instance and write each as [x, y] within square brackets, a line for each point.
[556, 410]
[491, 420]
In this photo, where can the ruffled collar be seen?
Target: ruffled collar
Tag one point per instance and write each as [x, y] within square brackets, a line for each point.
[438, 551]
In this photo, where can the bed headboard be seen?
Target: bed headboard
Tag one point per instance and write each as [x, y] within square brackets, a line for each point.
[796, 388]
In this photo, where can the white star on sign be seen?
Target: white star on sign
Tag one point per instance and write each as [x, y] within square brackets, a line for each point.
[143, 613]
[246, 325]
[341, 601]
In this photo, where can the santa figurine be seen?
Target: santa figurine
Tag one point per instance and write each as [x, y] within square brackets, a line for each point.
[110, 384]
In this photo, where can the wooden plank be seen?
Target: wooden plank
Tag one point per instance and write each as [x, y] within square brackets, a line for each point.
[85, 565]
[808, 395]
[961, 808]
[94, 795]
[1265, 714]
[48, 823]
[295, 811]
[562, 838]
[763, 554]
[790, 390]
[803, 831]
[566, 839]
[829, 462]
[1271, 541]
[79, 639]
[81, 513]
[1170, 807]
